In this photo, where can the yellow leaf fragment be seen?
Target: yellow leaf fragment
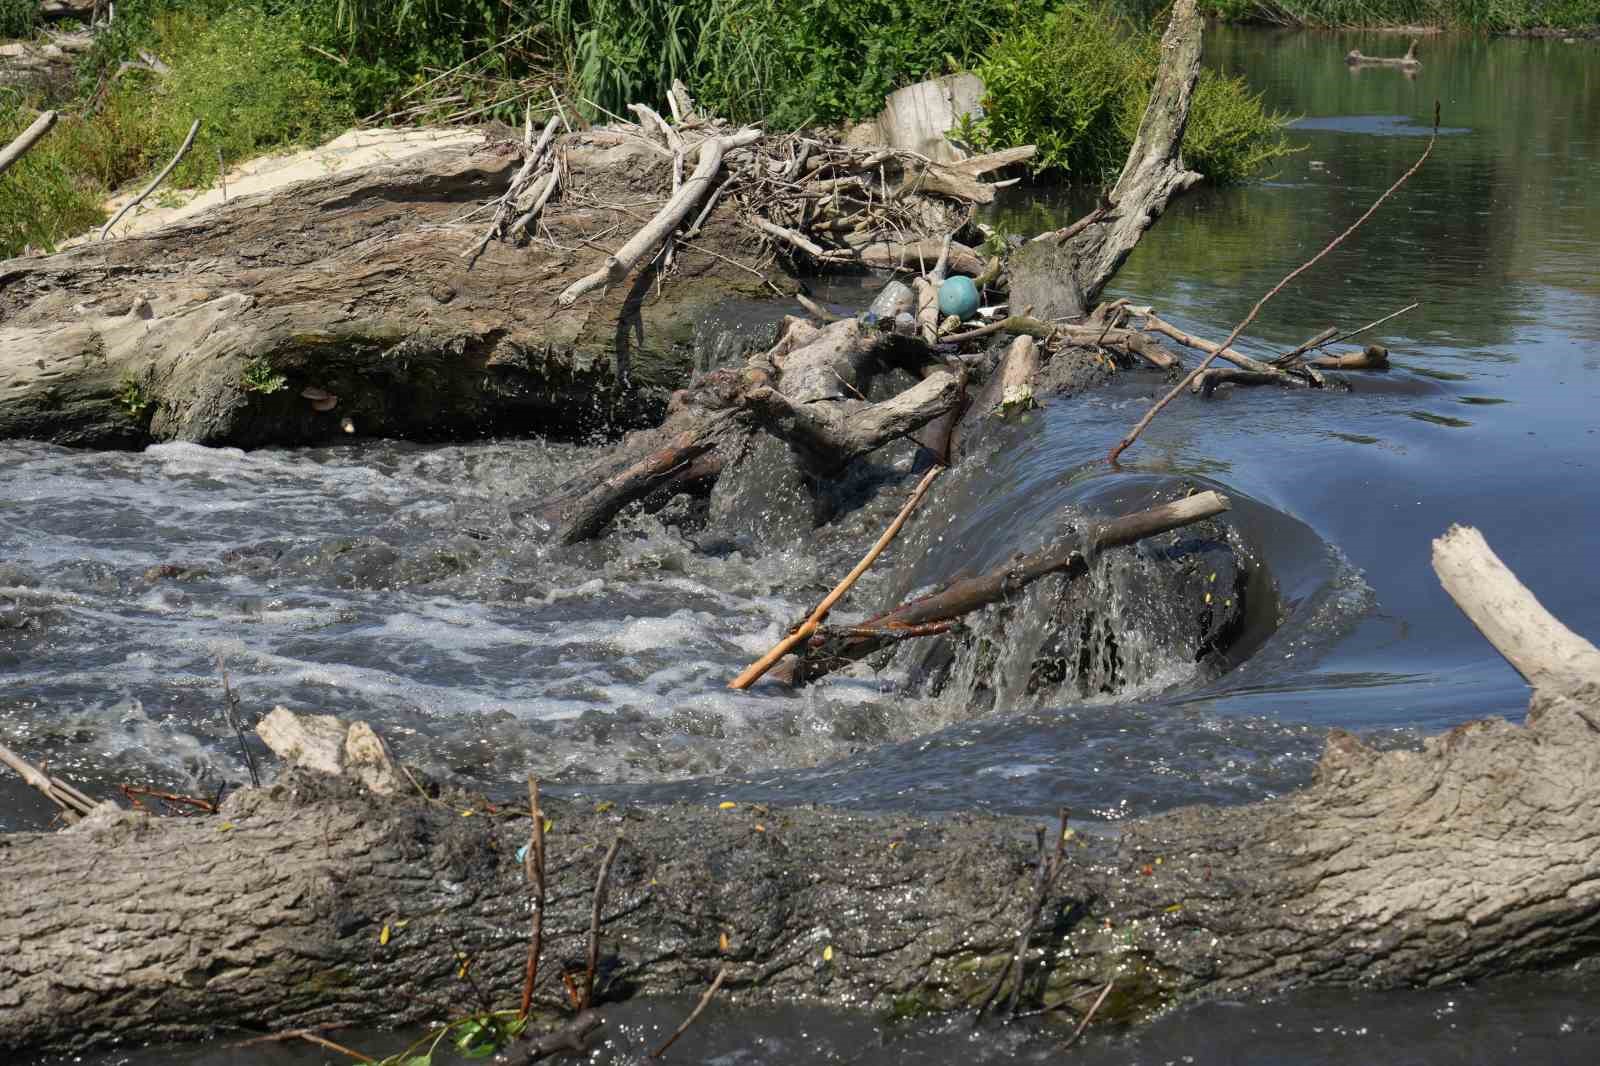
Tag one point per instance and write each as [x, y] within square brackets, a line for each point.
[726, 805]
[383, 936]
[722, 942]
[226, 827]
[827, 953]
[549, 824]
[603, 806]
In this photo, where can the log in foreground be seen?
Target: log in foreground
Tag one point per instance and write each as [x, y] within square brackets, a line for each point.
[1477, 856]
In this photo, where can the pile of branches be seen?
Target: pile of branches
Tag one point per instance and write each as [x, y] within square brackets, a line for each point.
[824, 204]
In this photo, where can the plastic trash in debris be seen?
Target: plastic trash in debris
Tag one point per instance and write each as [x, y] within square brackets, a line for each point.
[892, 299]
[958, 296]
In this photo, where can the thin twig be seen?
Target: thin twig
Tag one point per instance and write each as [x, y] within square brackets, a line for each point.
[533, 871]
[803, 632]
[1370, 325]
[230, 707]
[148, 189]
[1087, 1018]
[1050, 863]
[313, 1038]
[63, 795]
[1126, 442]
[698, 1007]
[594, 922]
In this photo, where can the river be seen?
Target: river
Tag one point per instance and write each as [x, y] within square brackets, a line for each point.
[399, 583]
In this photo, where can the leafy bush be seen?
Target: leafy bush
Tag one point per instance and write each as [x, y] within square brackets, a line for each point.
[43, 196]
[1076, 84]
[18, 17]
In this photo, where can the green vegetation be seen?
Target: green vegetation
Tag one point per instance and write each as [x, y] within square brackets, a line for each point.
[1076, 85]
[1488, 15]
[42, 196]
[790, 64]
[260, 377]
[133, 397]
[270, 74]
[18, 17]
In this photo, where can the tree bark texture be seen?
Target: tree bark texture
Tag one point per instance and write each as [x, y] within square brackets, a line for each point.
[1479, 855]
[210, 329]
[1063, 279]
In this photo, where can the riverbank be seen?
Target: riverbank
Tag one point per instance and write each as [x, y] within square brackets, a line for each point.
[1533, 18]
[264, 77]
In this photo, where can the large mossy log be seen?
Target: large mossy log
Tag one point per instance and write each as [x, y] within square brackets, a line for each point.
[209, 329]
[312, 902]
[1474, 857]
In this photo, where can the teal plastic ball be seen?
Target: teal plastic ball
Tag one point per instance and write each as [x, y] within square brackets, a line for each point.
[958, 296]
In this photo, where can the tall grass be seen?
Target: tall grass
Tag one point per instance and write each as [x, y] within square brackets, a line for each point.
[787, 63]
[43, 196]
[18, 18]
[1486, 15]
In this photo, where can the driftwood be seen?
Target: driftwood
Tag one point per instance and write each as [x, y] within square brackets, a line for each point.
[803, 632]
[1476, 856]
[1062, 278]
[1409, 61]
[1372, 357]
[210, 329]
[1149, 416]
[26, 140]
[808, 390]
[155, 183]
[1070, 556]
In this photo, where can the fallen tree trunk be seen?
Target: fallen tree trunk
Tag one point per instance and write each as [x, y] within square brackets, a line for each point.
[1063, 278]
[1474, 857]
[208, 330]
[809, 390]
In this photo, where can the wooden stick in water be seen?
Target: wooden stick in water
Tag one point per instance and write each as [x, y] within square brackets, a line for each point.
[754, 672]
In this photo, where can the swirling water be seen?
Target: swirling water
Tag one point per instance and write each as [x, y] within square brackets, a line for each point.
[402, 583]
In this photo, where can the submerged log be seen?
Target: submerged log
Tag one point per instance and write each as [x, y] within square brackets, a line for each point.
[1071, 557]
[320, 903]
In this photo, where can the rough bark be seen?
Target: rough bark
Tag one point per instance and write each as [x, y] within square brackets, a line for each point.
[354, 284]
[1477, 856]
[1062, 279]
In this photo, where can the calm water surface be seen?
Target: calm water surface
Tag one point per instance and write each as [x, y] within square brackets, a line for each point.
[398, 583]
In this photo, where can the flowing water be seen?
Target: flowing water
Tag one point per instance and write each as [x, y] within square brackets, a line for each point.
[402, 584]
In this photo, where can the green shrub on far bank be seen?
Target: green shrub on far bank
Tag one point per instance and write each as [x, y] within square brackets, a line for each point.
[1487, 15]
[1076, 84]
[18, 18]
[43, 196]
